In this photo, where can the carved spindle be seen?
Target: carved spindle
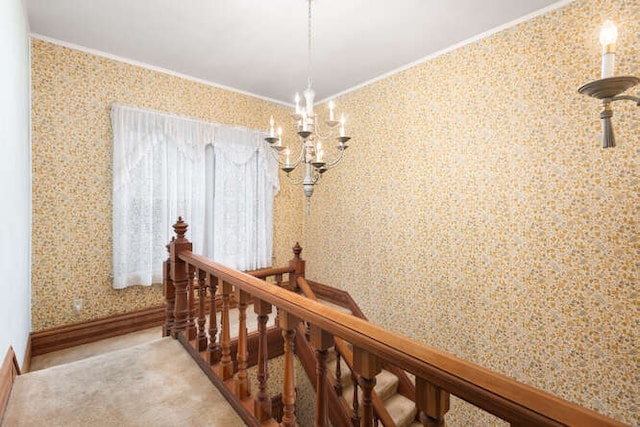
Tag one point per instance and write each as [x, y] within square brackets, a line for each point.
[298, 265]
[288, 324]
[225, 360]
[338, 386]
[214, 347]
[178, 270]
[192, 287]
[242, 378]
[262, 408]
[367, 366]
[278, 279]
[355, 414]
[432, 402]
[321, 341]
[169, 294]
[202, 315]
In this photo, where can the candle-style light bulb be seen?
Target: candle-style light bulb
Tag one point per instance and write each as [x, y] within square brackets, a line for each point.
[279, 135]
[608, 37]
[319, 152]
[342, 125]
[331, 107]
[271, 128]
[297, 99]
[287, 153]
[304, 121]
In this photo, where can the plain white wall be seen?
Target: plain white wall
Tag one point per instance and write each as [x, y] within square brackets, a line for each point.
[15, 179]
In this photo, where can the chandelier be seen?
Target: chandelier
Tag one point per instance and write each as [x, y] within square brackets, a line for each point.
[321, 147]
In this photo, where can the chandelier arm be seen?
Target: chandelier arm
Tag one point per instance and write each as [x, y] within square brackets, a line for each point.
[276, 155]
[336, 161]
[317, 131]
[295, 182]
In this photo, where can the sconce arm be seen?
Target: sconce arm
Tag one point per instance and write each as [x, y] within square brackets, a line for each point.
[628, 98]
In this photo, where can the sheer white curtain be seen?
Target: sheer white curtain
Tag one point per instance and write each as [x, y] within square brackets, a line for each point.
[245, 180]
[165, 166]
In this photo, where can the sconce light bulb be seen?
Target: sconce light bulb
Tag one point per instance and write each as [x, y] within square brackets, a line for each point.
[608, 33]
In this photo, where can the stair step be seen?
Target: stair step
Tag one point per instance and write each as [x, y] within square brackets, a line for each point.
[402, 410]
[386, 386]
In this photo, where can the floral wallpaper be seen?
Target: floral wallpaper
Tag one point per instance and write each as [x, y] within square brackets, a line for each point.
[72, 92]
[477, 212]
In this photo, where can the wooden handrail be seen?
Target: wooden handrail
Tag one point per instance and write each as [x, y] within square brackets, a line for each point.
[271, 271]
[347, 355]
[504, 397]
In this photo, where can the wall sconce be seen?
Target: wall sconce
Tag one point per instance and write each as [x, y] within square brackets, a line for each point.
[609, 88]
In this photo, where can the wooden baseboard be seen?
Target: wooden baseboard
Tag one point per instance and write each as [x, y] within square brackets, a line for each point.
[94, 330]
[8, 373]
[26, 362]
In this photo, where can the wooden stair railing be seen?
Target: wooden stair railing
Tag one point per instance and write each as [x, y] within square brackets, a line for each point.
[346, 353]
[437, 373]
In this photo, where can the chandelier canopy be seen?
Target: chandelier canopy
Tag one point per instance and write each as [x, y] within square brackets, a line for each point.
[321, 147]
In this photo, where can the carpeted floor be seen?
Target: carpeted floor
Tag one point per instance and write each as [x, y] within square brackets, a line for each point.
[151, 384]
[95, 348]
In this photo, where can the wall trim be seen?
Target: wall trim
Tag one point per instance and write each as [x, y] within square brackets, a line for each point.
[8, 373]
[94, 330]
[26, 363]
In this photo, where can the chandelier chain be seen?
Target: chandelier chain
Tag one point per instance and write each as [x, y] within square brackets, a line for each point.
[309, 46]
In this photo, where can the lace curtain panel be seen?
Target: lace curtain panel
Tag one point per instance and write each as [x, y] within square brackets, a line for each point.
[220, 179]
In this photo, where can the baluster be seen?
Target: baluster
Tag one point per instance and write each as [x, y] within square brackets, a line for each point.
[278, 279]
[298, 265]
[242, 379]
[288, 324]
[191, 324]
[355, 415]
[321, 341]
[179, 277]
[225, 360]
[367, 366]
[432, 402]
[202, 316]
[262, 408]
[169, 294]
[214, 347]
[338, 386]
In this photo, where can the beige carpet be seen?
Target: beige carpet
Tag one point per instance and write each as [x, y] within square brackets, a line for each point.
[152, 384]
[95, 348]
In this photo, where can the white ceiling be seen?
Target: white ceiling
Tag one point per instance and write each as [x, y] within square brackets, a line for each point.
[260, 46]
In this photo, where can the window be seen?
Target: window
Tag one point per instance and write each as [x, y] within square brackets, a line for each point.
[220, 179]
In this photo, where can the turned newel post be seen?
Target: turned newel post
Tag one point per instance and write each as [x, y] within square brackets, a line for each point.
[298, 265]
[169, 293]
[367, 367]
[262, 409]
[432, 402]
[288, 323]
[179, 277]
[321, 341]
